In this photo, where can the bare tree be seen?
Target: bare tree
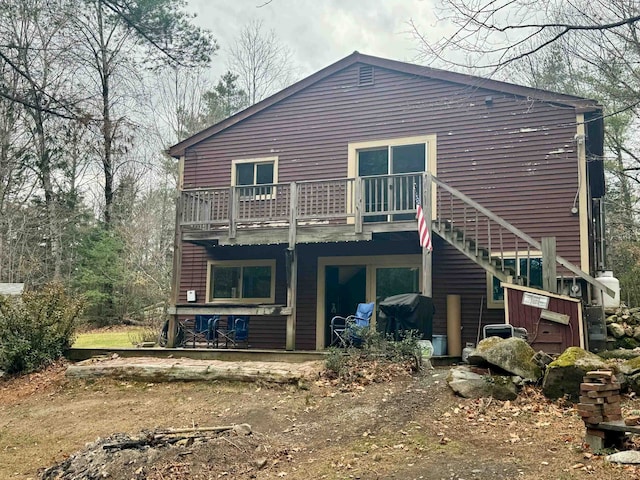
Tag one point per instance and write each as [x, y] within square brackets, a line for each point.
[263, 64]
[111, 57]
[494, 33]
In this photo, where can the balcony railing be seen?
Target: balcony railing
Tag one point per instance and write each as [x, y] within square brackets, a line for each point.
[475, 231]
[334, 201]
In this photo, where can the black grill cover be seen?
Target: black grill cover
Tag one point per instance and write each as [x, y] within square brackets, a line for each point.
[407, 311]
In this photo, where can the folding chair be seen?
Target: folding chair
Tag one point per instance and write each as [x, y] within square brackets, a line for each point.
[346, 331]
[237, 331]
[199, 329]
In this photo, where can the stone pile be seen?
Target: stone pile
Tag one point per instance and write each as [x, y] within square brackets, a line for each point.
[599, 398]
[623, 328]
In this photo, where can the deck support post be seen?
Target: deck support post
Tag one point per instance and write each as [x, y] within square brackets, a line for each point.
[549, 278]
[177, 268]
[293, 217]
[427, 267]
[292, 281]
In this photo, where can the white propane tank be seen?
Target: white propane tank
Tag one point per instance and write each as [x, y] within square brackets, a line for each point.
[604, 299]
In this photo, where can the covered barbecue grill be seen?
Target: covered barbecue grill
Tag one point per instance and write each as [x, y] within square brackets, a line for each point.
[407, 311]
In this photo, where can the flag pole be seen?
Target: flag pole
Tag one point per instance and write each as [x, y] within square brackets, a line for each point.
[427, 267]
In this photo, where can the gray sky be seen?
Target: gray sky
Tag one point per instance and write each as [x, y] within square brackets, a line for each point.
[321, 32]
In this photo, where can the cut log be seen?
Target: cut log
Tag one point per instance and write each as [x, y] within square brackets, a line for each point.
[148, 370]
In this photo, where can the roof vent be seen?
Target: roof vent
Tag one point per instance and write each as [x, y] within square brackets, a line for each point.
[365, 75]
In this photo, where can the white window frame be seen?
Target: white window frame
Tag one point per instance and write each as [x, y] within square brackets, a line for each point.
[533, 254]
[255, 161]
[241, 264]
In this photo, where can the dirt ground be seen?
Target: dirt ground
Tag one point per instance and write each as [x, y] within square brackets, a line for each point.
[403, 427]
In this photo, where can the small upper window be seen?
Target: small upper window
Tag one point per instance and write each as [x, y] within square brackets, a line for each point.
[365, 75]
[253, 174]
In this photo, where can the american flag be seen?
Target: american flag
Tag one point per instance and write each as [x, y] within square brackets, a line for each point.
[423, 229]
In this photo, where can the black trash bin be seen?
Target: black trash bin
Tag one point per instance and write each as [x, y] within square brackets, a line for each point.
[407, 311]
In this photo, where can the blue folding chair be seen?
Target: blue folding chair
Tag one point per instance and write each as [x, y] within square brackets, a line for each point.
[346, 331]
[236, 332]
[199, 329]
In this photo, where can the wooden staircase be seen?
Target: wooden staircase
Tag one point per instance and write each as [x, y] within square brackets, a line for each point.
[489, 240]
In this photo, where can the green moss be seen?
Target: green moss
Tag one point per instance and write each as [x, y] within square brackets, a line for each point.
[628, 343]
[565, 374]
[488, 343]
[633, 363]
[570, 356]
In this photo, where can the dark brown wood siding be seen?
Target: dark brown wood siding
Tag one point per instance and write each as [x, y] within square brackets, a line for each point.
[513, 155]
[544, 335]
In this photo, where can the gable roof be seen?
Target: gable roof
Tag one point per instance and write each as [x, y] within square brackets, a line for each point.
[580, 104]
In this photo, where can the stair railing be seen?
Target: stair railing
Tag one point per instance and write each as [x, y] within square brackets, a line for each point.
[468, 226]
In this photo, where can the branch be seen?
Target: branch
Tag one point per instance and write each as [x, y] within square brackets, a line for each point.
[566, 26]
[112, 4]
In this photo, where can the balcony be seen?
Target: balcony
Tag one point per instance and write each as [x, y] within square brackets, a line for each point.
[300, 212]
[351, 209]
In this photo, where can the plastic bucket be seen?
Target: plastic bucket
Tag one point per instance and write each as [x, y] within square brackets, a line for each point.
[426, 349]
[439, 345]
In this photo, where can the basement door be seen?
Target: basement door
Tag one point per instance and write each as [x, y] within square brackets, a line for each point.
[343, 282]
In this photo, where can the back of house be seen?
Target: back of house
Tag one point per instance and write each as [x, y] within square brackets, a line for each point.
[303, 206]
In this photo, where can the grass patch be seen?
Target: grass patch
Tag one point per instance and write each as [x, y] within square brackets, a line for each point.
[106, 339]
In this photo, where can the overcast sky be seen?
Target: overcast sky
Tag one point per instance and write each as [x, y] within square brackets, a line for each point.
[321, 32]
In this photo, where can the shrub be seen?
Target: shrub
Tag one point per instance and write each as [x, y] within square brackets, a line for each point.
[37, 328]
[404, 349]
[335, 361]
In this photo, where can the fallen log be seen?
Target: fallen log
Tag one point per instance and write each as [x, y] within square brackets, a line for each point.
[182, 371]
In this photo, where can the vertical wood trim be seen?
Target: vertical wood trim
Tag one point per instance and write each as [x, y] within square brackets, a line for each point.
[582, 193]
[292, 284]
[293, 210]
[432, 169]
[549, 281]
[177, 268]
[181, 173]
[581, 331]
[506, 304]
[320, 303]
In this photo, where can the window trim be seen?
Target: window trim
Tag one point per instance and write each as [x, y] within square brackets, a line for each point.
[496, 304]
[241, 263]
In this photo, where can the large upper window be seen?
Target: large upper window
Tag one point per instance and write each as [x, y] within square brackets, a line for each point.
[528, 270]
[392, 172]
[243, 281]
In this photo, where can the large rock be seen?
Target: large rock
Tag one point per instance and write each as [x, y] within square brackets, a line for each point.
[629, 374]
[513, 355]
[629, 457]
[616, 330]
[564, 375]
[468, 383]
